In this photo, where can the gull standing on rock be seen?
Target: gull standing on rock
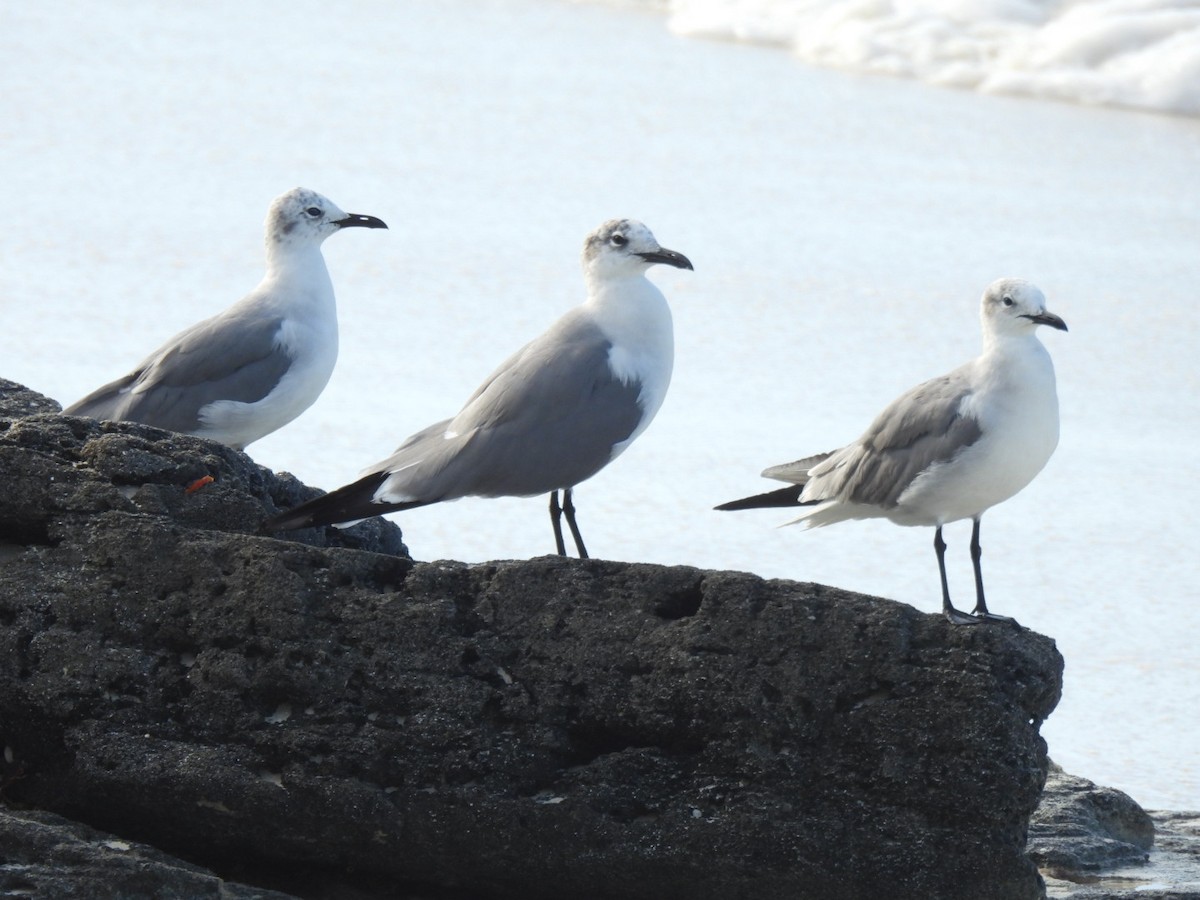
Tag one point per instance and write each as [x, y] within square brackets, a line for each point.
[253, 368]
[950, 448]
[552, 415]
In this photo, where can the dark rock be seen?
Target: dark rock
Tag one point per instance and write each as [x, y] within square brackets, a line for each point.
[60, 469]
[513, 730]
[1172, 871]
[1079, 827]
[43, 855]
[18, 401]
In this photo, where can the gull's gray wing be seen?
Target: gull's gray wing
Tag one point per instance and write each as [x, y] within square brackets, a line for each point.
[916, 431]
[230, 357]
[547, 418]
[796, 472]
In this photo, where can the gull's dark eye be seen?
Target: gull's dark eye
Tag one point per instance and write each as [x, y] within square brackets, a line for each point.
[1007, 300]
[313, 212]
[619, 240]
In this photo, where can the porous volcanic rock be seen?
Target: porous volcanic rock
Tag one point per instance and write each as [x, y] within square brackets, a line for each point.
[1079, 827]
[47, 857]
[539, 729]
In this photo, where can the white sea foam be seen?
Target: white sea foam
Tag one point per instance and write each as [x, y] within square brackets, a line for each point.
[1143, 54]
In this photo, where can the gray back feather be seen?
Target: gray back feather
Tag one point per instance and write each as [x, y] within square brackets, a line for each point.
[919, 429]
[547, 418]
[796, 472]
[169, 389]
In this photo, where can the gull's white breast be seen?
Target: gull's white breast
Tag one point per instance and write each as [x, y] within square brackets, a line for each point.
[635, 317]
[1016, 405]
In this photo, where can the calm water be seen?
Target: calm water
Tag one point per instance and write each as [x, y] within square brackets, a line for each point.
[842, 228]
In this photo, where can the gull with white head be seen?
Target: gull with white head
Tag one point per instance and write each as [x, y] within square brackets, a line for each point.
[253, 368]
[948, 449]
[552, 415]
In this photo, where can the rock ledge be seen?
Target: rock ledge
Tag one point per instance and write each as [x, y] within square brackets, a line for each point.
[331, 712]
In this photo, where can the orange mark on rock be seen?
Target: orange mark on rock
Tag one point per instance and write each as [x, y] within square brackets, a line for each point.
[199, 483]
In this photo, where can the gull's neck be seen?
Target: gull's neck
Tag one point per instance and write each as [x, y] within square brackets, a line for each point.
[629, 307]
[604, 288]
[299, 267]
[1009, 342]
[1020, 362]
[285, 256]
[297, 281]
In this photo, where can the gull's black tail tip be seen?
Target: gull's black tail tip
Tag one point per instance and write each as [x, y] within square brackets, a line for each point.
[346, 504]
[786, 496]
[312, 514]
[289, 521]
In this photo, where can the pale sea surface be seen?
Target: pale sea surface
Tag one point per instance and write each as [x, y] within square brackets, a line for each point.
[842, 225]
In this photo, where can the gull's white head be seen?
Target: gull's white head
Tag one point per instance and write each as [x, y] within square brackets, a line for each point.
[624, 247]
[1016, 306]
[304, 216]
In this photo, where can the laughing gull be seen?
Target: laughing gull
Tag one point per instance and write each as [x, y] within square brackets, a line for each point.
[950, 448]
[552, 415]
[253, 368]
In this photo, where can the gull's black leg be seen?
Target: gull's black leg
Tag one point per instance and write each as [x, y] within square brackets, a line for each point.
[555, 520]
[976, 555]
[569, 509]
[953, 616]
[981, 610]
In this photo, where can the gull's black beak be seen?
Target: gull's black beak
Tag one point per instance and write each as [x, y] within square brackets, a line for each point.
[354, 220]
[668, 257]
[1048, 318]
